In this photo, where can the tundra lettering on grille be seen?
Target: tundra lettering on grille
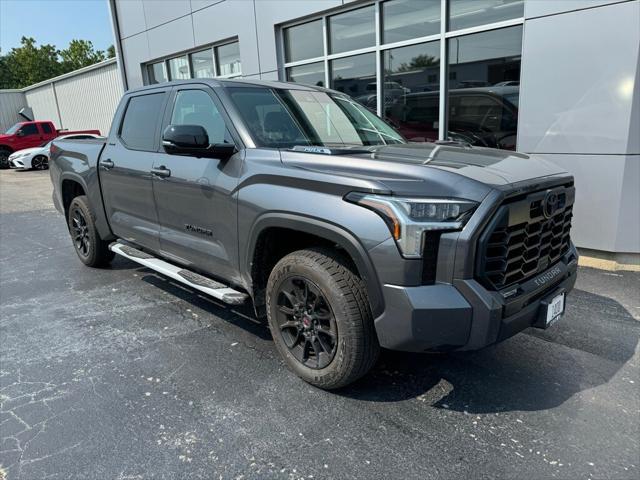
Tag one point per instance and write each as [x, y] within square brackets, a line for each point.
[526, 237]
[547, 276]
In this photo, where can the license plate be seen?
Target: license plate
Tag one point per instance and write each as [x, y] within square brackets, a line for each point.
[555, 309]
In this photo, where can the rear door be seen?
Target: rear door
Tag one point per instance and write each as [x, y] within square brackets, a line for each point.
[125, 169]
[48, 132]
[195, 199]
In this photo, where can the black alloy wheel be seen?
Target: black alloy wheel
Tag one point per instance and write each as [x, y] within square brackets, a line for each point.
[40, 162]
[306, 322]
[80, 232]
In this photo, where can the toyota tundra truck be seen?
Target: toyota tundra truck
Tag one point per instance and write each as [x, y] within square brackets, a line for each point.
[346, 237]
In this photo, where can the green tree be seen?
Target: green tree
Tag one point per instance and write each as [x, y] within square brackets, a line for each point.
[80, 53]
[111, 51]
[28, 64]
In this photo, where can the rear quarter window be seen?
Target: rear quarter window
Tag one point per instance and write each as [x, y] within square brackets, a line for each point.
[46, 128]
[138, 127]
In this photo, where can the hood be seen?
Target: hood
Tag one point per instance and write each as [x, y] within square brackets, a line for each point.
[27, 150]
[426, 168]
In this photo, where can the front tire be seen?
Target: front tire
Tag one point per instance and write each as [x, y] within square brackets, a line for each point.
[91, 249]
[320, 318]
[4, 158]
[40, 162]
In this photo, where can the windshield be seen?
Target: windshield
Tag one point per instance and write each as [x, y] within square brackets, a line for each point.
[280, 118]
[13, 129]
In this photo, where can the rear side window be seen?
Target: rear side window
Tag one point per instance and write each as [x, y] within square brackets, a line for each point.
[46, 128]
[29, 129]
[138, 127]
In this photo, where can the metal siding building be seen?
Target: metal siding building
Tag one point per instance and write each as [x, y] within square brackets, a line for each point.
[572, 63]
[11, 102]
[83, 99]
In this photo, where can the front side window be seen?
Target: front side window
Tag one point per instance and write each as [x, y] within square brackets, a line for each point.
[285, 118]
[29, 129]
[195, 107]
[228, 58]
[139, 123]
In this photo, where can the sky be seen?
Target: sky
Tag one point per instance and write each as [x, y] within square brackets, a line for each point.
[55, 21]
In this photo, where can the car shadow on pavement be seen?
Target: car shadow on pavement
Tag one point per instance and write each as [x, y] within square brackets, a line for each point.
[241, 316]
[535, 370]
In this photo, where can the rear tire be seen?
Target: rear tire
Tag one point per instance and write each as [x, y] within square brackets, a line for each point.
[4, 158]
[91, 249]
[320, 318]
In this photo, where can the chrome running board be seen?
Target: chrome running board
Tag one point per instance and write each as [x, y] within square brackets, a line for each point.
[187, 277]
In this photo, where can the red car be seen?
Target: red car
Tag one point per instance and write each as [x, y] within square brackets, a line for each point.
[28, 135]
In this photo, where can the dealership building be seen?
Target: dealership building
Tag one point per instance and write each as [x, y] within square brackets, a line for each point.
[557, 79]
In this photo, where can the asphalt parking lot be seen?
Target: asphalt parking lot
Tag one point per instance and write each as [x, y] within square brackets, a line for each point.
[122, 374]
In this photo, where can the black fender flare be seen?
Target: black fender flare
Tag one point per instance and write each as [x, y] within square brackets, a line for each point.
[329, 231]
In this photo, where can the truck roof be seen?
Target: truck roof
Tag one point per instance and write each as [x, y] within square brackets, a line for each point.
[235, 82]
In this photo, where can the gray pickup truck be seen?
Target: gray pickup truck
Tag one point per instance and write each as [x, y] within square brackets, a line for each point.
[345, 236]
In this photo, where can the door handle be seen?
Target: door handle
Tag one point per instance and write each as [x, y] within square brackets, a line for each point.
[161, 171]
[107, 164]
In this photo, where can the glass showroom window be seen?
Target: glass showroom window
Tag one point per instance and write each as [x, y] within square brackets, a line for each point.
[407, 19]
[303, 41]
[311, 74]
[179, 68]
[411, 90]
[228, 59]
[472, 13]
[202, 64]
[157, 73]
[390, 56]
[352, 30]
[356, 76]
[484, 79]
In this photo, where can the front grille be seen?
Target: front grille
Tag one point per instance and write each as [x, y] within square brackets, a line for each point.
[521, 241]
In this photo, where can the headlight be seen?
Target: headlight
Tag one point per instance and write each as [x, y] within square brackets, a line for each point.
[409, 218]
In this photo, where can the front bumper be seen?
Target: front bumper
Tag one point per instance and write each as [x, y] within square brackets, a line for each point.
[16, 162]
[465, 315]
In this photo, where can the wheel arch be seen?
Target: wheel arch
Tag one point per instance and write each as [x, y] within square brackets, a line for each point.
[309, 229]
[73, 185]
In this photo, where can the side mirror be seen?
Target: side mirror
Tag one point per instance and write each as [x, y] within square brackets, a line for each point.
[193, 140]
[20, 133]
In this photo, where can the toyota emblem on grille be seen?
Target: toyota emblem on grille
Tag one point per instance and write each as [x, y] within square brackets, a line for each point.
[550, 204]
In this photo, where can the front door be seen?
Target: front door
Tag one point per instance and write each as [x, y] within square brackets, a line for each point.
[195, 196]
[125, 170]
